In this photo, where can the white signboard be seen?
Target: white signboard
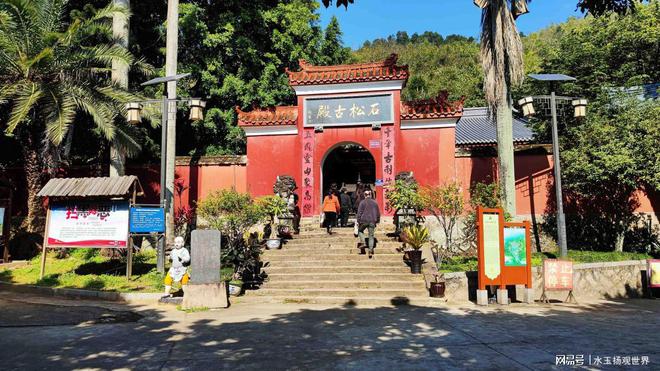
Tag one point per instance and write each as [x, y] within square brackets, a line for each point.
[89, 224]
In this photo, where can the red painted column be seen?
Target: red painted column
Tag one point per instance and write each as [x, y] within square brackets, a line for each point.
[307, 172]
[388, 153]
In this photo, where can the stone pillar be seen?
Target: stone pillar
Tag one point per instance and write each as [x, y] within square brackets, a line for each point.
[205, 289]
[482, 297]
[503, 296]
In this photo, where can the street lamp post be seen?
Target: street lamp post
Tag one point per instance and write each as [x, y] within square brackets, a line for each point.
[528, 109]
[133, 114]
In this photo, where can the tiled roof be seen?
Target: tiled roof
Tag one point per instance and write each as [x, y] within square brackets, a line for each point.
[476, 127]
[438, 107]
[274, 116]
[348, 73]
[91, 187]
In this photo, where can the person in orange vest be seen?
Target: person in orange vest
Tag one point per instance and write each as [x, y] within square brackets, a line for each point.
[330, 209]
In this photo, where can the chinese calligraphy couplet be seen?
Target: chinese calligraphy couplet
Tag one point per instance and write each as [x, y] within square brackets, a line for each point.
[307, 199]
[557, 274]
[387, 151]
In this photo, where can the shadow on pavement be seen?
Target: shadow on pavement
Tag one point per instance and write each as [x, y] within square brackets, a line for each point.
[278, 336]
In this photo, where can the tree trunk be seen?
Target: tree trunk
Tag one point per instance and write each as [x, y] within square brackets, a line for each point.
[505, 161]
[33, 177]
[120, 27]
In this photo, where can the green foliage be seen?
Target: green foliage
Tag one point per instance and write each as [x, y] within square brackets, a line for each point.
[446, 203]
[233, 214]
[273, 206]
[482, 194]
[416, 236]
[404, 194]
[237, 52]
[451, 64]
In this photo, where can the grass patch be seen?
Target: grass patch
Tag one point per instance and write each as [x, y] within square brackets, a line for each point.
[462, 264]
[87, 269]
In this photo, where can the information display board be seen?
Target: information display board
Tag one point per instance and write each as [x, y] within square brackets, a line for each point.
[147, 219]
[504, 250]
[101, 224]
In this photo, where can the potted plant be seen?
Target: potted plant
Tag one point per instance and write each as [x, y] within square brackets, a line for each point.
[403, 196]
[273, 207]
[416, 236]
[437, 288]
[235, 285]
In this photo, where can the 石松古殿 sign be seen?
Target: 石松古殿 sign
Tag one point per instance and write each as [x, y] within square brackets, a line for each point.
[347, 111]
[88, 224]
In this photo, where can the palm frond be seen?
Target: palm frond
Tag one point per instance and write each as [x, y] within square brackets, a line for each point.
[125, 142]
[24, 100]
[61, 112]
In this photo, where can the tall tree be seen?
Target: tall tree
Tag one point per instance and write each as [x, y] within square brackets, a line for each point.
[502, 61]
[50, 72]
[333, 50]
[120, 31]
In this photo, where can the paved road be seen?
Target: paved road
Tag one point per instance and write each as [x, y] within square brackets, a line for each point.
[55, 334]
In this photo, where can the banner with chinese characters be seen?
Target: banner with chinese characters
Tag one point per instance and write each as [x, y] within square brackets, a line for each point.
[346, 111]
[307, 196]
[88, 224]
[389, 171]
[557, 274]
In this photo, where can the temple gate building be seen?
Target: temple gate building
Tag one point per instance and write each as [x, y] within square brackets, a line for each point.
[351, 125]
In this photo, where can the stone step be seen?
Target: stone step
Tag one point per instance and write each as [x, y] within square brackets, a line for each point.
[323, 250]
[339, 269]
[336, 240]
[328, 257]
[340, 231]
[342, 293]
[338, 285]
[370, 301]
[319, 277]
[361, 261]
[326, 245]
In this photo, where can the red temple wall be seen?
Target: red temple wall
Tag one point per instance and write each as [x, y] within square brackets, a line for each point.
[268, 157]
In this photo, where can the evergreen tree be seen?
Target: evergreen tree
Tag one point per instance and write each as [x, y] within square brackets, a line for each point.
[332, 48]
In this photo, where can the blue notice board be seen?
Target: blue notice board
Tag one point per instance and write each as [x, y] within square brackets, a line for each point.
[147, 219]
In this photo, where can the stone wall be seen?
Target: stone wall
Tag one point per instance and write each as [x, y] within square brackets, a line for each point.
[592, 281]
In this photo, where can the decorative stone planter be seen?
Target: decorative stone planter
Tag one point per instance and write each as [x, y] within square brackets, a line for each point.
[273, 244]
[415, 261]
[437, 289]
[235, 289]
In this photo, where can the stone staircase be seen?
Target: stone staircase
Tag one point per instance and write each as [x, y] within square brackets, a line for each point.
[317, 268]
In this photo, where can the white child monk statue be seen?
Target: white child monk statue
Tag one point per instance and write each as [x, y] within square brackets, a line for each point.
[178, 272]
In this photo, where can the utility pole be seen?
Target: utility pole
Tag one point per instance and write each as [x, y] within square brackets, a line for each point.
[119, 75]
[172, 45]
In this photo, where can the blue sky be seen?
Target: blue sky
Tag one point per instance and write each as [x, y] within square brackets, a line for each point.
[371, 19]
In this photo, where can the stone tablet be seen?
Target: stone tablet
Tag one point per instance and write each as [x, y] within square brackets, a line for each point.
[205, 257]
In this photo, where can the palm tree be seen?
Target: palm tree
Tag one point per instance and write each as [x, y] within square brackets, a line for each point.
[52, 70]
[502, 61]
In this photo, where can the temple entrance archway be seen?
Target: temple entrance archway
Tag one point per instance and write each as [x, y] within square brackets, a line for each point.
[345, 164]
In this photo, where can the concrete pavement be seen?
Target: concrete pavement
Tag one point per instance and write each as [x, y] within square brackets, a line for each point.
[50, 333]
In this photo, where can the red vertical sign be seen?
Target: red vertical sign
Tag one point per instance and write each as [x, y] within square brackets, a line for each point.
[387, 151]
[308, 173]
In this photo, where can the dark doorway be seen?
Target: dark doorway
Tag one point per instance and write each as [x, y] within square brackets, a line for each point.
[346, 164]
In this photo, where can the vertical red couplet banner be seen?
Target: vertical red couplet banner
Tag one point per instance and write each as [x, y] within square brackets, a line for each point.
[389, 171]
[307, 197]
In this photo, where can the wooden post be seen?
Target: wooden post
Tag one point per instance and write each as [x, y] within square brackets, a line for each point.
[129, 244]
[44, 248]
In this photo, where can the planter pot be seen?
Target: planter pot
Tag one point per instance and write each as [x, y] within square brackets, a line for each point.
[235, 289]
[415, 261]
[273, 244]
[437, 289]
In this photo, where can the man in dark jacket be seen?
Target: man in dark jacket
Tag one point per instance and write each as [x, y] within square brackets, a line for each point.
[368, 216]
[346, 206]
